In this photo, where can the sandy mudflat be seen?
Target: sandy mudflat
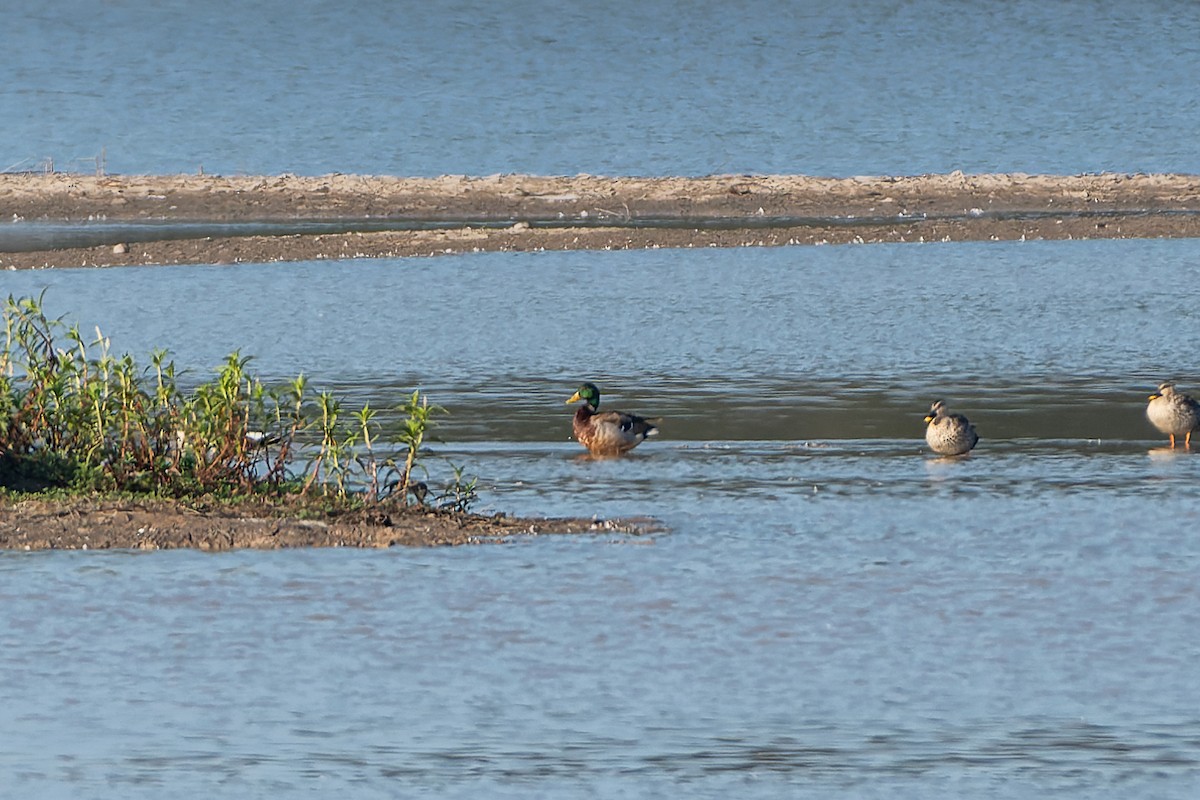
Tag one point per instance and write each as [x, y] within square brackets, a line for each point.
[953, 207]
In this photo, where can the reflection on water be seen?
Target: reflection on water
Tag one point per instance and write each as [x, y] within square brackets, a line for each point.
[823, 605]
[1170, 453]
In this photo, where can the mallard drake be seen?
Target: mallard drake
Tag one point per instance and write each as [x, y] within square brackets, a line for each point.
[948, 434]
[1173, 413]
[607, 433]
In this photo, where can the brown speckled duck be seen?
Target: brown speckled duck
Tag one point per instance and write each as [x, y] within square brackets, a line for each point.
[948, 434]
[606, 433]
[1174, 413]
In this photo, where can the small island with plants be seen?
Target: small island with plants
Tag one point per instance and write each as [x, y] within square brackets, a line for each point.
[97, 452]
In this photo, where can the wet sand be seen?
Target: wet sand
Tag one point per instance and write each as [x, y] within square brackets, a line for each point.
[103, 524]
[596, 213]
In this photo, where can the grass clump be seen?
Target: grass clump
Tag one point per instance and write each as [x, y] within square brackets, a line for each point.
[74, 416]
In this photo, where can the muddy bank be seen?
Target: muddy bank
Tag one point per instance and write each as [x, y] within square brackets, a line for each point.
[87, 524]
[588, 212]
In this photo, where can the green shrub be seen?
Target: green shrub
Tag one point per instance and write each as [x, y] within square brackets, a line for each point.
[78, 417]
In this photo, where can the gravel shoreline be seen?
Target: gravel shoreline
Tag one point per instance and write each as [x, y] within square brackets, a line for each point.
[590, 212]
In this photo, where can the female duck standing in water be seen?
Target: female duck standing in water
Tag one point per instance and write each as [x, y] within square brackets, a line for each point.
[607, 433]
[1173, 413]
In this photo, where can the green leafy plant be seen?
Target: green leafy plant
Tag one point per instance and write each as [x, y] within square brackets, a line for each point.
[82, 418]
[460, 494]
[418, 422]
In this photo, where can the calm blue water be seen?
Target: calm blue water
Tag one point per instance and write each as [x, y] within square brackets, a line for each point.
[622, 87]
[831, 610]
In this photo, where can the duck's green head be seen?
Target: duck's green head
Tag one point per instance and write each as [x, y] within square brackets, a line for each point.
[589, 394]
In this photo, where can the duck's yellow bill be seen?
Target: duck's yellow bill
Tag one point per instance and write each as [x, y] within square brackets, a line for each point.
[574, 399]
